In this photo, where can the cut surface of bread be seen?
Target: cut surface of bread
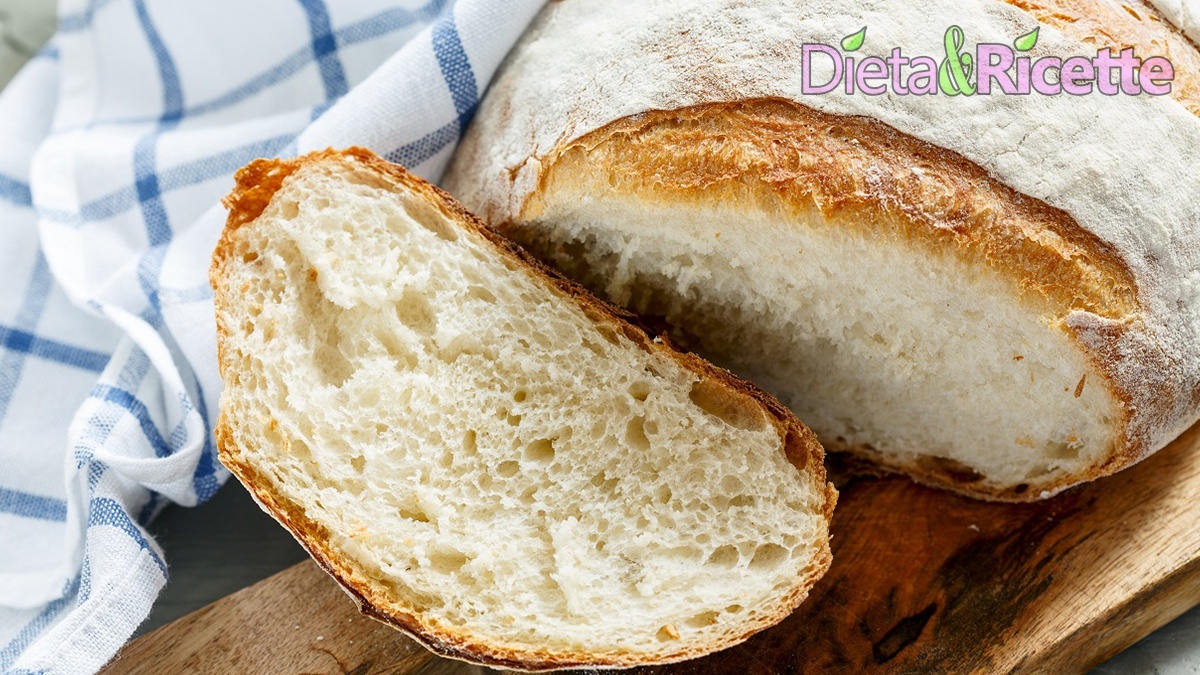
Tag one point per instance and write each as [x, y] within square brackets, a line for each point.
[861, 321]
[482, 454]
[997, 295]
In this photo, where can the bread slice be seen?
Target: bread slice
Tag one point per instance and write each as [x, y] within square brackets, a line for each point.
[482, 454]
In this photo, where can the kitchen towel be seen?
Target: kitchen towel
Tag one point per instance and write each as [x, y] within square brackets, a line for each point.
[117, 142]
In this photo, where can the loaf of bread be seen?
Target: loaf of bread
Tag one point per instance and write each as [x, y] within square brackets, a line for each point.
[999, 295]
[481, 453]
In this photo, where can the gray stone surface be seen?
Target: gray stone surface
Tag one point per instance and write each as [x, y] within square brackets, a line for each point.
[24, 26]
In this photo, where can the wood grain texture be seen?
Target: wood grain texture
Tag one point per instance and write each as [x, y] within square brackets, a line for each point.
[298, 621]
[922, 581]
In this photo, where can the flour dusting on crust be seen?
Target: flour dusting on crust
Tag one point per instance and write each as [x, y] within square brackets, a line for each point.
[1124, 168]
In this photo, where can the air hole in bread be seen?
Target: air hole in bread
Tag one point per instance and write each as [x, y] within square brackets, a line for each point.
[332, 366]
[684, 553]
[594, 348]
[667, 633]
[481, 293]
[427, 217]
[414, 311]
[702, 619]
[951, 469]
[463, 344]
[767, 556]
[1063, 450]
[415, 514]
[724, 556]
[1039, 471]
[741, 500]
[607, 485]
[542, 340]
[540, 451]
[721, 403]
[662, 494]
[298, 449]
[527, 496]
[447, 561]
[635, 434]
[508, 469]
[796, 449]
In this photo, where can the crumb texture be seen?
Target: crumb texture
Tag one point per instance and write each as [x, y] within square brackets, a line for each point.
[489, 457]
[947, 373]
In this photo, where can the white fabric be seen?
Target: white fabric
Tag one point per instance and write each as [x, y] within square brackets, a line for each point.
[116, 144]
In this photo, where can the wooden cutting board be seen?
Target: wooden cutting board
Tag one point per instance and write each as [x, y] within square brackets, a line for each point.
[922, 581]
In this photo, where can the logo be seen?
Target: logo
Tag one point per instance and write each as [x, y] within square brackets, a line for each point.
[985, 70]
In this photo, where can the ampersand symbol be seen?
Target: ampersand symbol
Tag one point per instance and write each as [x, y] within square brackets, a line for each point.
[954, 75]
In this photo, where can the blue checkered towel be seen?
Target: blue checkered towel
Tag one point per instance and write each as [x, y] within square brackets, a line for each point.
[116, 144]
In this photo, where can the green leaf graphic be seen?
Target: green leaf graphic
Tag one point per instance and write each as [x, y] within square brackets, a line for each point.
[851, 43]
[1027, 41]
